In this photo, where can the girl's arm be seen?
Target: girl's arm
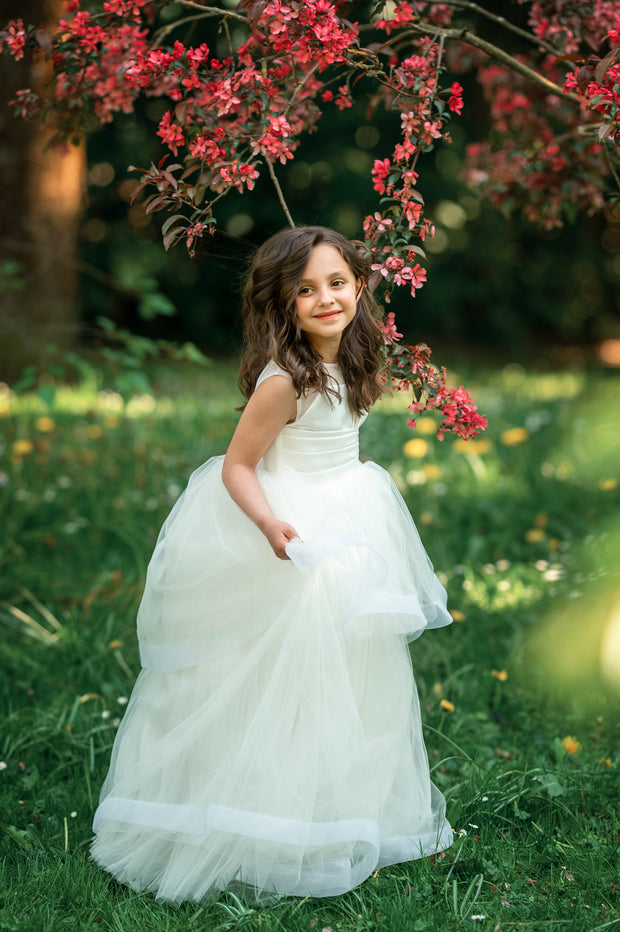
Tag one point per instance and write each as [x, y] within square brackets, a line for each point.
[272, 405]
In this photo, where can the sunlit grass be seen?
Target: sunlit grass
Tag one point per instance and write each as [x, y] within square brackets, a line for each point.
[520, 709]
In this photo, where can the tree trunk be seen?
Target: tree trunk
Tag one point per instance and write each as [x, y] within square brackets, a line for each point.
[41, 192]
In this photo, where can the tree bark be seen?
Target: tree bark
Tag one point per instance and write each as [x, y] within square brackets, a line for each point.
[41, 192]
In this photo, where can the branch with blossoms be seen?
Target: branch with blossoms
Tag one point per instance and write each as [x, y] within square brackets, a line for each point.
[408, 368]
[597, 81]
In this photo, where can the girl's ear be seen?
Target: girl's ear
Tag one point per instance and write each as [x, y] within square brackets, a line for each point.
[361, 284]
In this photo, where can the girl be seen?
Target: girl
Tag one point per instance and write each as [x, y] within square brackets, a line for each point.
[273, 737]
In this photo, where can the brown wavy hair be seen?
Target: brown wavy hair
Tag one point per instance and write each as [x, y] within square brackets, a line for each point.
[271, 326]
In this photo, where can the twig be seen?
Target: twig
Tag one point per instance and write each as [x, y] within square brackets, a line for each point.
[500, 20]
[227, 31]
[212, 10]
[276, 185]
[298, 88]
[165, 30]
[610, 165]
[439, 57]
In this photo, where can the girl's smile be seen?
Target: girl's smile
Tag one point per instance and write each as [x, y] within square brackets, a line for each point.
[327, 300]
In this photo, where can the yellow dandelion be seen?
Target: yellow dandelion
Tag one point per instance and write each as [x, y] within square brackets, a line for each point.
[115, 644]
[446, 705]
[607, 485]
[426, 518]
[94, 431]
[111, 420]
[22, 447]
[457, 615]
[426, 425]
[45, 424]
[514, 435]
[604, 760]
[501, 675]
[438, 690]
[472, 447]
[431, 471]
[535, 535]
[571, 745]
[416, 448]
[554, 543]
[541, 520]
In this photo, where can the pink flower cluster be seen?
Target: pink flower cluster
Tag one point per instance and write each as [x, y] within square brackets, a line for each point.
[547, 172]
[14, 38]
[569, 25]
[388, 326]
[600, 87]
[311, 32]
[409, 369]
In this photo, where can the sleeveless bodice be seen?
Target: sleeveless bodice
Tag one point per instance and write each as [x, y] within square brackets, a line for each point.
[323, 437]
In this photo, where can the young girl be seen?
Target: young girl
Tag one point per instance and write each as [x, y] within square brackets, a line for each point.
[273, 737]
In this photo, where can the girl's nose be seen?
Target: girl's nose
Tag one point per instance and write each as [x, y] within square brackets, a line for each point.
[326, 297]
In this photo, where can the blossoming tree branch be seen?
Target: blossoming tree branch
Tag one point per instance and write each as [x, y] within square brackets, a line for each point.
[241, 108]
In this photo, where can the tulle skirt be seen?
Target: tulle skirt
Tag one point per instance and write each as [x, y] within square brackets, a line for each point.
[273, 738]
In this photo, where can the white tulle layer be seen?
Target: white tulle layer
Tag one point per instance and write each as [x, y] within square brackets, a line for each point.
[274, 737]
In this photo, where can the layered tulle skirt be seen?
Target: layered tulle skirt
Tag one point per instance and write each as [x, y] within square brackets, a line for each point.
[274, 738]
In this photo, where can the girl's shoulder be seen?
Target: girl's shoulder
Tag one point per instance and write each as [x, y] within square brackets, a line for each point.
[272, 368]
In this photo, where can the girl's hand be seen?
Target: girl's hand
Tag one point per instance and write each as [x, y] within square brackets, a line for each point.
[279, 534]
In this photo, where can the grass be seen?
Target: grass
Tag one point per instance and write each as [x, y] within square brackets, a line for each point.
[520, 700]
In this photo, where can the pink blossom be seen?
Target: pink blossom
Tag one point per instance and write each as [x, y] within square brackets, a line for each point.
[170, 133]
[455, 101]
[250, 174]
[409, 122]
[15, 39]
[380, 172]
[390, 333]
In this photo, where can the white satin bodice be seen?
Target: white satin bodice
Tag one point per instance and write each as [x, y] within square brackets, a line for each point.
[323, 437]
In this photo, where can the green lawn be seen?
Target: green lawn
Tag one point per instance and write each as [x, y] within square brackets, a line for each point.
[521, 717]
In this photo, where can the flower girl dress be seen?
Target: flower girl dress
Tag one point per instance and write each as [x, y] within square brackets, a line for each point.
[273, 738]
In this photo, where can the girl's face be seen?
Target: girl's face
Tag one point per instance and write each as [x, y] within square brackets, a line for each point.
[327, 300]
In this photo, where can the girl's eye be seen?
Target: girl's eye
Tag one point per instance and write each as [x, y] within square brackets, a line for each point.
[339, 281]
[305, 290]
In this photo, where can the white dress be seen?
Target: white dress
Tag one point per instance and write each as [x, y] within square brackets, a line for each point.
[273, 737]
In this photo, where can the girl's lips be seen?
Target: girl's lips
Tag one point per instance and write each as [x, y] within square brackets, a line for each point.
[327, 315]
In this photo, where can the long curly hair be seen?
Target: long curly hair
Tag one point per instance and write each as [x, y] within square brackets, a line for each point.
[271, 326]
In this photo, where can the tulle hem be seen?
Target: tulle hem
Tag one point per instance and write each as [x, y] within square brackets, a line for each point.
[193, 825]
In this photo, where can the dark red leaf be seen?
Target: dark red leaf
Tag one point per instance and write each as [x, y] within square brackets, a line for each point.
[604, 65]
[44, 38]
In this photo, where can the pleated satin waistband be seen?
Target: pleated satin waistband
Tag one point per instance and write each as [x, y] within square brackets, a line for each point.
[312, 451]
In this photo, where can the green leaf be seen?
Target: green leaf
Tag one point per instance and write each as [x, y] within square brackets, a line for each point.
[153, 305]
[47, 393]
[27, 380]
[191, 353]
[168, 223]
[106, 324]
[19, 835]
